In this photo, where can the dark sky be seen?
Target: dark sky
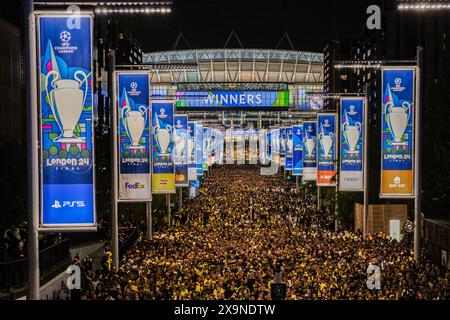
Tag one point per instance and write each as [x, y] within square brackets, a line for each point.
[258, 23]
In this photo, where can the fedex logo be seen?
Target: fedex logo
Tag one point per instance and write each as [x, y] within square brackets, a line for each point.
[68, 204]
[134, 186]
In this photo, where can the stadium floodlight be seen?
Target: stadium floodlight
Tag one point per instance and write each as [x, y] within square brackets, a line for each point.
[423, 6]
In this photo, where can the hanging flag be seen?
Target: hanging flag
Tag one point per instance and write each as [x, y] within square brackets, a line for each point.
[192, 150]
[289, 148]
[309, 151]
[180, 151]
[326, 149]
[297, 156]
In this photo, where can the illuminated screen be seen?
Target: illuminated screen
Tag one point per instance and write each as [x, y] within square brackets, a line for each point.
[232, 99]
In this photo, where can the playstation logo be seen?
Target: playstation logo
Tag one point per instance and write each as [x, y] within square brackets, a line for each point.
[56, 205]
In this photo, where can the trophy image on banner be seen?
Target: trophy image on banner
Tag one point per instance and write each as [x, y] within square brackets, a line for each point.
[162, 135]
[179, 139]
[66, 100]
[326, 140]
[134, 123]
[397, 115]
[290, 145]
[310, 143]
[191, 146]
[351, 132]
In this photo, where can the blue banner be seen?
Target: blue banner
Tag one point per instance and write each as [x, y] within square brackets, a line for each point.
[180, 152]
[192, 150]
[297, 157]
[163, 178]
[397, 125]
[309, 150]
[133, 130]
[352, 144]
[199, 149]
[282, 147]
[289, 148]
[66, 122]
[326, 149]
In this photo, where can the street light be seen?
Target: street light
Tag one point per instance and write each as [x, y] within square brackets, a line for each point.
[422, 6]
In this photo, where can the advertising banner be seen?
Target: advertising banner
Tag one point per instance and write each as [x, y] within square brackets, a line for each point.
[133, 129]
[192, 150]
[232, 99]
[206, 141]
[352, 144]
[397, 141]
[282, 139]
[326, 149]
[289, 148]
[199, 149]
[66, 122]
[310, 151]
[180, 151]
[297, 156]
[163, 178]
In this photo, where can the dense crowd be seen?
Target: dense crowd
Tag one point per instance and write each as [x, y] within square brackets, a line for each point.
[226, 243]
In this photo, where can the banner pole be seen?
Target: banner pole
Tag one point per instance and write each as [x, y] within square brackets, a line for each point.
[318, 197]
[149, 220]
[33, 158]
[366, 164]
[417, 158]
[168, 209]
[180, 197]
[114, 204]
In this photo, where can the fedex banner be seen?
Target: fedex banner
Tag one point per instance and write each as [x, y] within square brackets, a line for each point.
[180, 152]
[163, 178]
[326, 149]
[297, 156]
[232, 99]
[133, 129]
[192, 151]
[309, 151]
[397, 141]
[66, 122]
[289, 148]
[352, 144]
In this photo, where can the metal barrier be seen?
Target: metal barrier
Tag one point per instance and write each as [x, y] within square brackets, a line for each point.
[52, 261]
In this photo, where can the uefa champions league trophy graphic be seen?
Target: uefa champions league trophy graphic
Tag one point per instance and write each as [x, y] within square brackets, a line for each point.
[290, 146]
[351, 133]
[191, 146]
[179, 140]
[66, 100]
[310, 144]
[134, 123]
[326, 142]
[162, 135]
[397, 119]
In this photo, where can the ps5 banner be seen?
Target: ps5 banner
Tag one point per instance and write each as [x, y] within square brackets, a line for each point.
[192, 151]
[310, 151]
[163, 178]
[180, 154]
[352, 144]
[66, 122]
[133, 129]
[326, 149]
[289, 148]
[199, 149]
[297, 156]
[397, 141]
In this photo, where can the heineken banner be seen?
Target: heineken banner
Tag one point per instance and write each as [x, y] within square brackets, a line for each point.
[66, 122]
[163, 178]
[297, 156]
[397, 141]
[309, 154]
[289, 148]
[326, 149]
[352, 144]
[133, 129]
[282, 139]
[180, 154]
[199, 149]
[192, 151]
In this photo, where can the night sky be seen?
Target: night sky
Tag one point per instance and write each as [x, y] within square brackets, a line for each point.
[258, 23]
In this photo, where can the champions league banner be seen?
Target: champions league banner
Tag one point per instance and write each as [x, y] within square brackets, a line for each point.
[206, 141]
[309, 151]
[289, 149]
[133, 129]
[199, 149]
[397, 141]
[66, 122]
[282, 149]
[163, 178]
[192, 151]
[297, 155]
[352, 144]
[326, 149]
[180, 151]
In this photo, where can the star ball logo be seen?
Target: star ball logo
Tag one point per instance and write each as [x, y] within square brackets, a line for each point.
[398, 85]
[65, 37]
[134, 91]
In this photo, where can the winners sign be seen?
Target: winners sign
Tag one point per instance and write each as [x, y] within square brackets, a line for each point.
[66, 122]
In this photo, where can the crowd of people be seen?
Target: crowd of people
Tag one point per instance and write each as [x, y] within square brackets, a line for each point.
[228, 242]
